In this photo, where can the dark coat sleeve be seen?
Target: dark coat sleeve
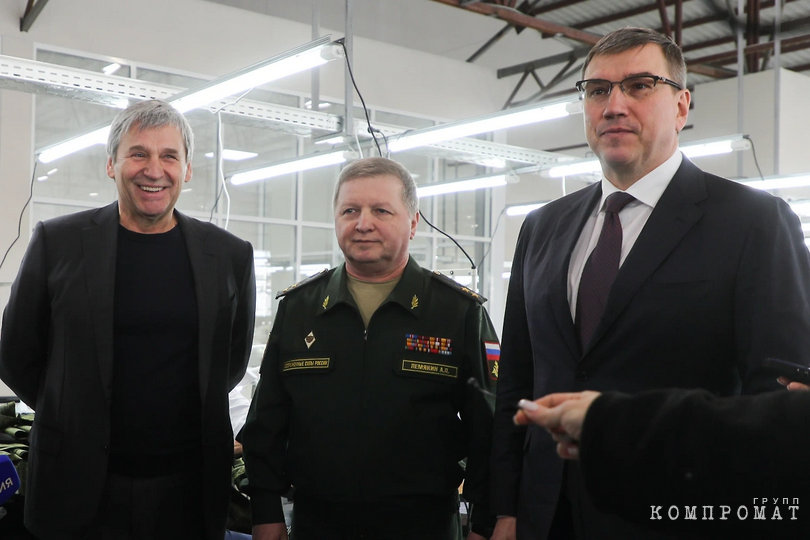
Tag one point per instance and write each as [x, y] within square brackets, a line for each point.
[26, 324]
[515, 381]
[243, 325]
[689, 449]
[772, 296]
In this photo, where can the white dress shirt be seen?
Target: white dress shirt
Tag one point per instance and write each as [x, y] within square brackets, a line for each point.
[647, 191]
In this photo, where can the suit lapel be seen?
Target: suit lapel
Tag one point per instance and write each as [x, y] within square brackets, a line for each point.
[99, 243]
[674, 215]
[569, 227]
[204, 269]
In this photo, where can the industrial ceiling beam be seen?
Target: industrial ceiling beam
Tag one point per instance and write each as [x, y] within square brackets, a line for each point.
[520, 19]
[790, 44]
[32, 11]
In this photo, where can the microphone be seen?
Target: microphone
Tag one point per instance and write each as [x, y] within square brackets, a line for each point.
[9, 479]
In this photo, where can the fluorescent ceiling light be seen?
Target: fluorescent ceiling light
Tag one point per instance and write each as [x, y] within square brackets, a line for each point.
[296, 60]
[432, 190]
[112, 68]
[292, 166]
[42, 178]
[52, 171]
[523, 209]
[520, 116]
[780, 182]
[337, 139]
[709, 147]
[233, 155]
[301, 58]
[589, 166]
[321, 105]
[75, 144]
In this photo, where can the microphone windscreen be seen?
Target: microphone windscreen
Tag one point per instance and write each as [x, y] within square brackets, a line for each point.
[9, 479]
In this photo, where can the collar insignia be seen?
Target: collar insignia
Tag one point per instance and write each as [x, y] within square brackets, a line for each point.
[414, 302]
[325, 302]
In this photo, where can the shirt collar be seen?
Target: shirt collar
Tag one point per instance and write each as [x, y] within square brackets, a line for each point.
[649, 188]
[408, 293]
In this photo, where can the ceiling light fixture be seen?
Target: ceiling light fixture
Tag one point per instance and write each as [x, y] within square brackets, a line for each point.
[313, 161]
[431, 190]
[233, 155]
[295, 60]
[520, 116]
[523, 209]
[708, 147]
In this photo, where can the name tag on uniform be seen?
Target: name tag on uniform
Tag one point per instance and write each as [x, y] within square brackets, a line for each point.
[430, 368]
[306, 363]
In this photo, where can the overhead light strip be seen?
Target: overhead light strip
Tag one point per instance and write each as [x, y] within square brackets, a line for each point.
[431, 190]
[708, 147]
[521, 116]
[291, 166]
[295, 60]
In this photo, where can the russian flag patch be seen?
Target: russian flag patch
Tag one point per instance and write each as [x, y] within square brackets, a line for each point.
[493, 350]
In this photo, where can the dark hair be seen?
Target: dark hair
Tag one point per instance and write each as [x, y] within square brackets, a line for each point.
[378, 166]
[629, 38]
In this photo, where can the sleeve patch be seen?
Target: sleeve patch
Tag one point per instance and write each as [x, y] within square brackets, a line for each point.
[493, 350]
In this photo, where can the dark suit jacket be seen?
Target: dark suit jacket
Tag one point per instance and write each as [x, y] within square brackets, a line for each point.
[718, 279]
[667, 448]
[56, 353]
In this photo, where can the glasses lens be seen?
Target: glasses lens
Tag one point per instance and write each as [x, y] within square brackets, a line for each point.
[595, 89]
[638, 87]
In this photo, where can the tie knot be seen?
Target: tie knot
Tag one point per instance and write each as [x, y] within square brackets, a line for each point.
[616, 201]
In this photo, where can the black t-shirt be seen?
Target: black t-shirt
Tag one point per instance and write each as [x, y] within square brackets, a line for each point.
[156, 413]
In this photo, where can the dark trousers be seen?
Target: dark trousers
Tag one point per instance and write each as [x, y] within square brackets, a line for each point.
[577, 519]
[150, 508]
[424, 518]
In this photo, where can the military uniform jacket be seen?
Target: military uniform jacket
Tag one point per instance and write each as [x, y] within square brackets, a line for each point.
[350, 414]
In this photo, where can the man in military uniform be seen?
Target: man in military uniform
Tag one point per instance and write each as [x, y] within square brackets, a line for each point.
[371, 390]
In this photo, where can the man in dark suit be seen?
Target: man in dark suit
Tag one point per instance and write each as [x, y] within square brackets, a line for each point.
[125, 329]
[658, 276]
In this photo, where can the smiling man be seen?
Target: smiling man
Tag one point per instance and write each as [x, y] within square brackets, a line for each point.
[660, 275]
[125, 330]
[371, 385]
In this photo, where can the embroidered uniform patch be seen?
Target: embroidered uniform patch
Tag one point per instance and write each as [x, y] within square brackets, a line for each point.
[428, 367]
[433, 345]
[306, 363]
[493, 350]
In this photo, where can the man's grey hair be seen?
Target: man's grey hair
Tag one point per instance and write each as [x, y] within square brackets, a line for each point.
[379, 166]
[149, 114]
[626, 39]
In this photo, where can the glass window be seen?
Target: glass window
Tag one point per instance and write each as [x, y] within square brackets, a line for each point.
[320, 251]
[318, 188]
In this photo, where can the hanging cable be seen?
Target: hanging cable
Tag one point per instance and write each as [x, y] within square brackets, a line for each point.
[472, 264]
[221, 171]
[754, 152]
[19, 221]
[371, 130]
[492, 236]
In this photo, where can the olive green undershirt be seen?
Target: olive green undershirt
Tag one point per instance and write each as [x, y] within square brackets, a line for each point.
[368, 296]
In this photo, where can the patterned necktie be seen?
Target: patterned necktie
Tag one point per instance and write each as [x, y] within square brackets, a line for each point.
[600, 269]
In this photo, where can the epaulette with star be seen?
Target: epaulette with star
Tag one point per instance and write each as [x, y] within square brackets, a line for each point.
[311, 279]
[458, 286]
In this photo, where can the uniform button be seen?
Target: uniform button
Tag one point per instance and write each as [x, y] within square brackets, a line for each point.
[582, 375]
[106, 449]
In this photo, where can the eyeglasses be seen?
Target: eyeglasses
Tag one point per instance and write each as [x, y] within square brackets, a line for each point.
[636, 87]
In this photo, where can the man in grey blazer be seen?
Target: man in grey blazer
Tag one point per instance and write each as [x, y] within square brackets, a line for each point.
[660, 275]
[125, 330]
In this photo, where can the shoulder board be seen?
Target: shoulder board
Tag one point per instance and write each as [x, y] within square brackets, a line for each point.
[310, 279]
[452, 283]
